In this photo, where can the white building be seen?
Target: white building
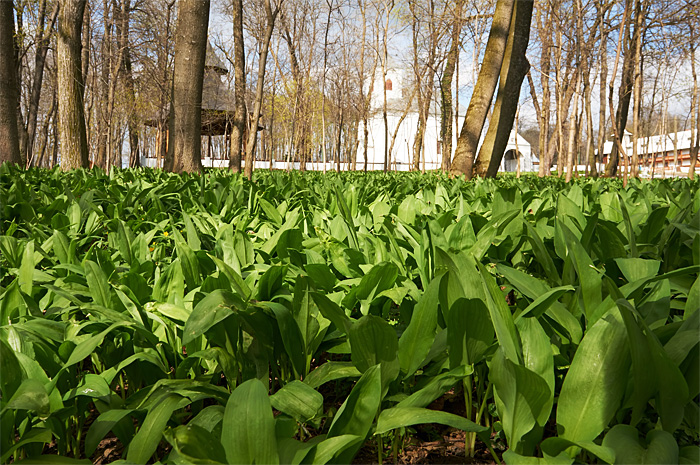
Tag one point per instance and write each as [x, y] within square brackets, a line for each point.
[397, 94]
[665, 154]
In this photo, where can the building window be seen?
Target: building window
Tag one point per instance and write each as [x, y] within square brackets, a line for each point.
[388, 85]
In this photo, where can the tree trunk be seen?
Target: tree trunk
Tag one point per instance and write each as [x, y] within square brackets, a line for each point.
[513, 71]
[257, 108]
[239, 88]
[185, 141]
[483, 90]
[43, 40]
[694, 110]
[446, 90]
[127, 75]
[625, 90]
[9, 90]
[71, 112]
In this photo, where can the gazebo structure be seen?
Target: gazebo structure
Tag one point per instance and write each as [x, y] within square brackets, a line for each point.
[217, 111]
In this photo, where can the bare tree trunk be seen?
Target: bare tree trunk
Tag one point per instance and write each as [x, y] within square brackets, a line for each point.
[240, 116]
[123, 27]
[446, 89]
[43, 40]
[694, 109]
[185, 146]
[513, 71]
[625, 91]
[9, 89]
[262, 61]
[571, 148]
[71, 112]
[483, 90]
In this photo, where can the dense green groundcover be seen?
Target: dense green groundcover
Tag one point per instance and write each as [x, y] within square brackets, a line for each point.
[207, 319]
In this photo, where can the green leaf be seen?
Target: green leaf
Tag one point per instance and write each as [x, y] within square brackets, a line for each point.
[331, 371]
[149, 435]
[401, 417]
[34, 435]
[521, 396]
[635, 269]
[195, 444]
[418, 337]
[298, 400]
[373, 341]
[660, 447]
[30, 395]
[469, 331]
[595, 383]
[98, 284]
[26, 269]
[101, 426]
[212, 309]
[501, 317]
[248, 429]
[554, 446]
[543, 302]
[356, 415]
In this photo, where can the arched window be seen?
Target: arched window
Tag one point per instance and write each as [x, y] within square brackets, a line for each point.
[388, 85]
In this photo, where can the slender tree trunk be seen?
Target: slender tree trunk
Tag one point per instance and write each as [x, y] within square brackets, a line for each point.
[571, 139]
[9, 89]
[43, 38]
[446, 89]
[513, 71]
[483, 90]
[625, 90]
[694, 110]
[71, 111]
[257, 109]
[127, 75]
[185, 146]
[239, 89]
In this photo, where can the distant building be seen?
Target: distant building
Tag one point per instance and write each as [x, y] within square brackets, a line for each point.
[665, 154]
[397, 94]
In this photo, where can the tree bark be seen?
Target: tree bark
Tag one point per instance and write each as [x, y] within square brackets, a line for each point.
[71, 111]
[513, 71]
[185, 141]
[483, 90]
[43, 41]
[446, 90]
[257, 106]
[9, 90]
[694, 110]
[239, 87]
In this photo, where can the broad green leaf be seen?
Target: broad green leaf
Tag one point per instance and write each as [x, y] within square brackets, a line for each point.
[149, 435]
[635, 269]
[211, 310]
[98, 284]
[331, 371]
[356, 415]
[521, 397]
[373, 341]
[195, 444]
[298, 400]
[248, 430]
[418, 337]
[554, 446]
[26, 269]
[34, 435]
[595, 383]
[30, 395]
[102, 425]
[401, 417]
[469, 331]
[501, 317]
[660, 447]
